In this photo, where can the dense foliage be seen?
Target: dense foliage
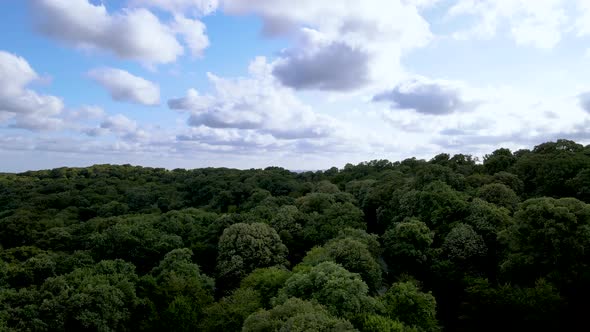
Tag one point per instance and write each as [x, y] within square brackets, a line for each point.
[447, 244]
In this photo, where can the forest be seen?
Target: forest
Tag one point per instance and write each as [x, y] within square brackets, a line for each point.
[450, 244]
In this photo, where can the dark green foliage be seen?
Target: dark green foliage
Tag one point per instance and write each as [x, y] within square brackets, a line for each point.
[343, 293]
[267, 282]
[230, 312]
[550, 237]
[245, 247]
[502, 245]
[406, 244]
[406, 303]
[489, 308]
[178, 291]
[498, 194]
[297, 316]
[353, 255]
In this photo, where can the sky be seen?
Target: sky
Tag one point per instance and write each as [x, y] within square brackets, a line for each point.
[301, 84]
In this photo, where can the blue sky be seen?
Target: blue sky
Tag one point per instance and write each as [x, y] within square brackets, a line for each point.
[303, 85]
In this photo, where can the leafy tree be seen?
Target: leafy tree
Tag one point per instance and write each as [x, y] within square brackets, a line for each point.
[489, 308]
[377, 323]
[178, 291]
[133, 238]
[343, 293]
[463, 244]
[406, 303]
[230, 312]
[267, 282]
[100, 298]
[298, 316]
[245, 247]
[498, 161]
[353, 255]
[509, 180]
[322, 227]
[406, 245]
[549, 238]
[498, 194]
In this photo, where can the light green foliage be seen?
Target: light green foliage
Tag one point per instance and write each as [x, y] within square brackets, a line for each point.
[315, 202]
[267, 282]
[136, 240]
[498, 194]
[99, 298]
[464, 244]
[436, 205]
[230, 312]
[405, 243]
[510, 180]
[406, 303]
[296, 315]
[353, 255]
[245, 247]
[487, 218]
[343, 293]
[549, 237]
[376, 323]
[180, 291]
[336, 217]
[326, 187]
[500, 160]
[370, 240]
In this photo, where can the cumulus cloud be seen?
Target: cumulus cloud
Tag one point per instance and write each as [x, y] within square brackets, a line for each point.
[127, 130]
[338, 41]
[87, 112]
[126, 87]
[426, 97]
[34, 123]
[15, 98]
[535, 23]
[193, 32]
[135, 33]
[193, 7]
[582, 24]
[119, 123]
[235, 139]
[255, 103]
[584, 100]
[336, 66]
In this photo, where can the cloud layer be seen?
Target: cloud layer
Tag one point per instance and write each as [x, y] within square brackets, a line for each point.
[135, 33]
[256, 103]
[28, 109]
[126, 87]
[435, 98]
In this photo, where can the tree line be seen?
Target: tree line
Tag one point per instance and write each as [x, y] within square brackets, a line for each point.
[451, 243]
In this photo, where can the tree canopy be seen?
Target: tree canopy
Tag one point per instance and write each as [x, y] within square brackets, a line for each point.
[451, 243]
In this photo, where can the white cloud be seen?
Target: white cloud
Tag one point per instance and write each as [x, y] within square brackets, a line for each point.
[193, 32]
[426, 96]
[370, 37]
[119, 124]
[134, 34]
[193, 7]
[538, 23]
[29, 109]
[257, 103]
[35, 123]
[582, 23]
[335, 66]
[87, 112]
[124, 86]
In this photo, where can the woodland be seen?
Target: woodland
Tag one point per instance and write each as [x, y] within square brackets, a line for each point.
[448, 244]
